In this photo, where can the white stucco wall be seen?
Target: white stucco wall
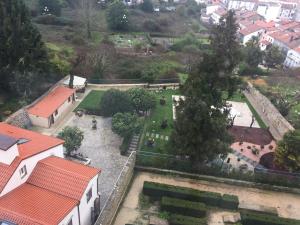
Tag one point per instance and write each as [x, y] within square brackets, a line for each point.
[249, 36]
[86, 208]
[39, 121]
[30, 163]
[74, 215]
[45, 122]
[9, 155]
[211, 8]
[62, 109]
[292, 59]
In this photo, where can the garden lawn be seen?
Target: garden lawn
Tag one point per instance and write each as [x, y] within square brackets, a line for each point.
[152, 126]
[92, 101]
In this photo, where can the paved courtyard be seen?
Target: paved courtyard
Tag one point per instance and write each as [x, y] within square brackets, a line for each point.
[102, 147]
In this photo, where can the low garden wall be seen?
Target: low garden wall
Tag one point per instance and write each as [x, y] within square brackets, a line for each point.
[111, 206]
[277, 124]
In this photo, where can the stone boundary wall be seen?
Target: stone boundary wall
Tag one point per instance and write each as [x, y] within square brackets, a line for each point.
[128, 86]
[277, 124]
[219, 180]
[111, 206]
[21, 118]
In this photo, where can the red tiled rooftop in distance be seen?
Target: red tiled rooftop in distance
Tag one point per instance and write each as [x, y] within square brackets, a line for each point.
[250, 29]
[29, 204]
[47, 105]
[62, 176]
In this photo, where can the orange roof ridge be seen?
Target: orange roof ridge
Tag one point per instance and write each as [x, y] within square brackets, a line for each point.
[51, 102]
[46, 162]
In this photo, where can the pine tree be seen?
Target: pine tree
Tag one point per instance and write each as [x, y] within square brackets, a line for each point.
[202, 118]
[21, 46]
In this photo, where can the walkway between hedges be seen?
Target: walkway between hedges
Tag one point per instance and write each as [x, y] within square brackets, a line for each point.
[287, 205]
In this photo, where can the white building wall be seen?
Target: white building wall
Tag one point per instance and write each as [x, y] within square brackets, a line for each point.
[16, 180]
[8, 156]
[85, 208]
[249, 36]
[63, 108]
[211, 8]
[215, 18]
[39, 121]
[269, 12]
[72, 215]
[292, 59]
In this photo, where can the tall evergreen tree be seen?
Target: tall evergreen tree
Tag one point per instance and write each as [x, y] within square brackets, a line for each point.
[202, 118]
[21, 46]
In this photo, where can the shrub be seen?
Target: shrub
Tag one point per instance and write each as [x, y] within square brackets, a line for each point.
[183, 207]
[147, 6]
[164, 124]
[229, 202]
[176, 219]
[114, 101]
[157, 191]
[152, 26]
[251, 218]
[53, 20]
[162, 101]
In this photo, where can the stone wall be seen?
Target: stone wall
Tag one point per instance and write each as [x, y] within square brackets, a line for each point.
[277, 124]
[19, 119]
[111, 206]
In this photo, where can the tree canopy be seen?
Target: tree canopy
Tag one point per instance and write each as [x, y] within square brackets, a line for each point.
[117, 16]
[202, 119]
[125, 124]
[114, 101]
[287, 154]
[50, 7]
[142, 99]
[252, 53]
[147, 6]
[273, 57]
[73, 138]
[22, 51]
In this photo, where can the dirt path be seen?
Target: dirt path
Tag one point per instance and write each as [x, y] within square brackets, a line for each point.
[288, 205]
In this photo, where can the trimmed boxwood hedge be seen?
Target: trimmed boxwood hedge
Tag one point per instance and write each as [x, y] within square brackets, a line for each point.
[254, 218]
[176, 219]
[183, 207]
[229, 202]
[157, 191]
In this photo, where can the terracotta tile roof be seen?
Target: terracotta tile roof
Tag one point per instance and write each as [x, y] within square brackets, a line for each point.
[37, 143]
[250, 29]
[62, 176]
[30, 205]
[47, 106]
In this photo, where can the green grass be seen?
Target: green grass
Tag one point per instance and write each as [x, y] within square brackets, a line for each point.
[183, 77]
[152, 123]
[91, 101]
[237, 97]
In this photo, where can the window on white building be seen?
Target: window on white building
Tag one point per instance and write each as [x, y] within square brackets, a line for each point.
[23, 171]
[56, 112]
[89, 195]
[70, 222]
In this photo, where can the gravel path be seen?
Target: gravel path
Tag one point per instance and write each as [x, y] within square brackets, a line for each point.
[102, 147]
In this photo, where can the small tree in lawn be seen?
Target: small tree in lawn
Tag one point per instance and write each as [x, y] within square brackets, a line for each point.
[73, 137]
[142, 99]
[273, 57]
[287, 154]
[252, 53]
[114, 101]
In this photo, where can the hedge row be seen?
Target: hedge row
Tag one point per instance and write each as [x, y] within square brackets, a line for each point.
[186, 220]
[229, 202]
[251, 218]
[183, 207]
[157, 191]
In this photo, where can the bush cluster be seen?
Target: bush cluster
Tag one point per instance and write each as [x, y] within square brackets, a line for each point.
[176, 219]
[229, 202]
[157, 191]
[53, 20]
[183, 207]
[257, 218]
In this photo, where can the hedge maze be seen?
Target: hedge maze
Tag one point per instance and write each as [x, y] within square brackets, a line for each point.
[188, 206]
